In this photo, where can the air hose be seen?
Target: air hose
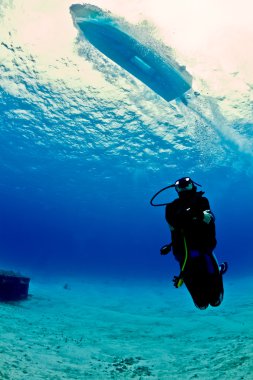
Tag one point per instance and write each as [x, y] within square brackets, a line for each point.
[180, 277]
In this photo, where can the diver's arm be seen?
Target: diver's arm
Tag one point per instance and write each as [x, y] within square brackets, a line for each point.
[171, 227]
[208, 215]
[173, 217]
[164, 250]
[200, 212]
[168, 217]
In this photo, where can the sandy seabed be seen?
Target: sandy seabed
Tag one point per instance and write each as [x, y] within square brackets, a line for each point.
[121, 329]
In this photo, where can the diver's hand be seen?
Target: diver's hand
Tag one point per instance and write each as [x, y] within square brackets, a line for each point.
[165, 249]
[175, 281]
[178, 281]
[207, 216]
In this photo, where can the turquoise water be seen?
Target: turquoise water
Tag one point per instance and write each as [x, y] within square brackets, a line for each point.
[84, 145]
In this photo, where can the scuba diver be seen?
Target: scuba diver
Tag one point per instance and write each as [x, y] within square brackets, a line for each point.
[192, 226]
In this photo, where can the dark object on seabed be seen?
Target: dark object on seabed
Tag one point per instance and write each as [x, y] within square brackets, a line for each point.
[13, 286]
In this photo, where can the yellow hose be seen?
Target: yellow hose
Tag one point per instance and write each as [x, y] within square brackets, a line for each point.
[181, 281]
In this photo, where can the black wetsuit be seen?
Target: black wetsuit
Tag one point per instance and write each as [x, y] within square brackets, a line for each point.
[201, 272]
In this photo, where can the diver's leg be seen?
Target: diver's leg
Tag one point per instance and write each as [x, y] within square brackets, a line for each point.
[198, 297]
[216, 290]
[215, 282]
[195, 281]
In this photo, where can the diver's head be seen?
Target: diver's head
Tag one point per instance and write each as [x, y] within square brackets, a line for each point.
[185, 187]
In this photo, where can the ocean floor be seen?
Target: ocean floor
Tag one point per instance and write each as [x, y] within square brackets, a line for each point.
[120, 329]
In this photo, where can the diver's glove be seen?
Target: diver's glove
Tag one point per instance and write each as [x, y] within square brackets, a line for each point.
[165, 249]
[207, 216]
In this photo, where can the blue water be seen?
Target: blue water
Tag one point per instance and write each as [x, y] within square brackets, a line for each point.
[80, 162]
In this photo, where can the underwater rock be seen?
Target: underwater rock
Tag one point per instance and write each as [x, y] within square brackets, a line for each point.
[13, 286]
